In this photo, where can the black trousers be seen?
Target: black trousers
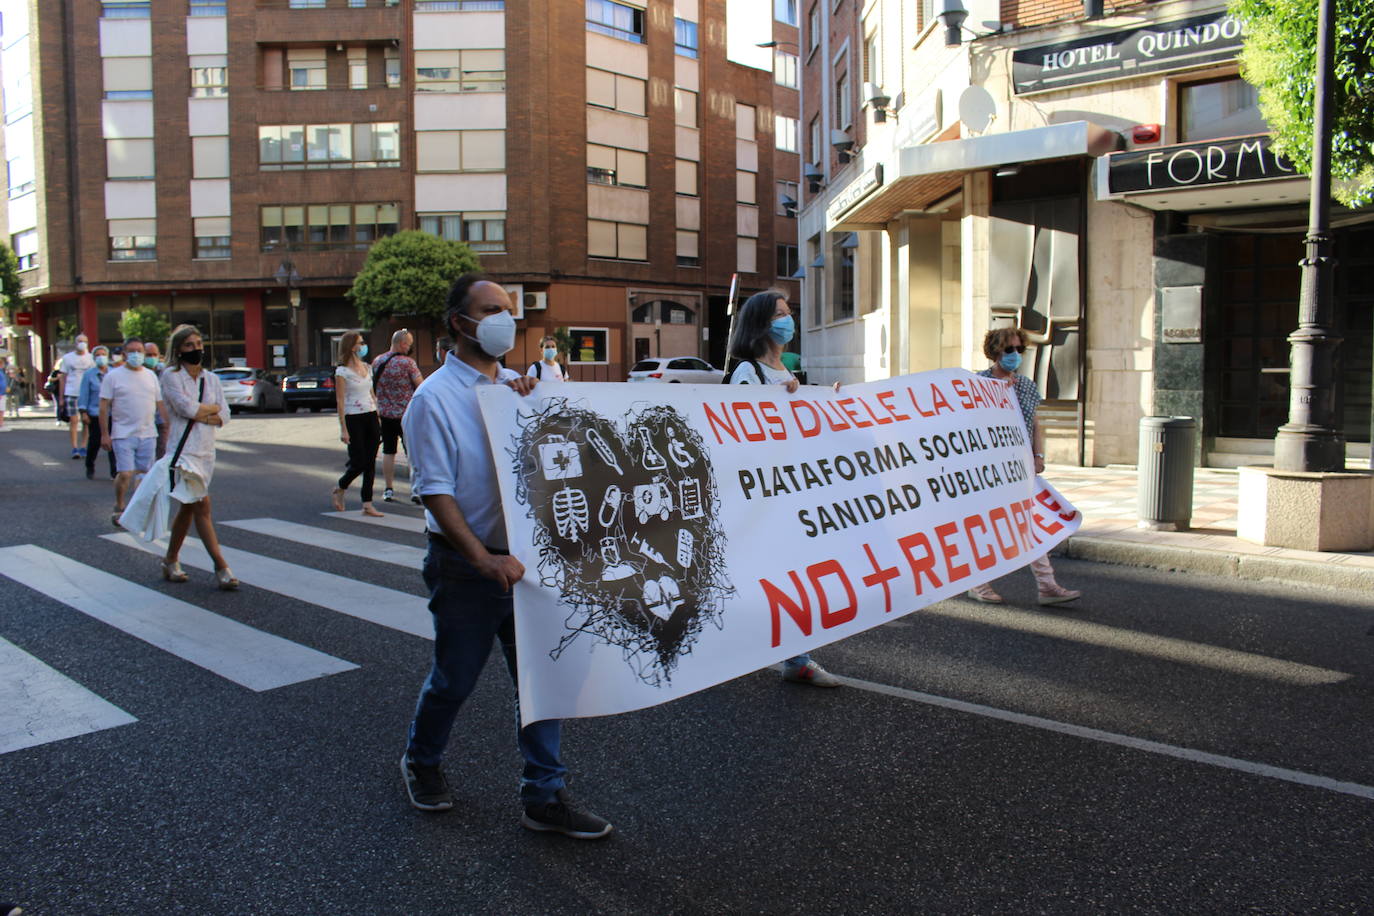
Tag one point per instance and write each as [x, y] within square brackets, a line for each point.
[364, 438]
[93, 446]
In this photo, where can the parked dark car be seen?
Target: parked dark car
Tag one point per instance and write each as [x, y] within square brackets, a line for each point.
[312, 386]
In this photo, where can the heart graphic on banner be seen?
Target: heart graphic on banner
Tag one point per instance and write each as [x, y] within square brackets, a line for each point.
[627, 528]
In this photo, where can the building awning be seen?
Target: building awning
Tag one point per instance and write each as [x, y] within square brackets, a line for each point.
[1209, 175]
[819, 261]
[920, 175]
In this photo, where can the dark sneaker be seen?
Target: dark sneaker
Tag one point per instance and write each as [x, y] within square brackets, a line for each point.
[567, 817]
[389, 495]
[416, 500]
[426, 785]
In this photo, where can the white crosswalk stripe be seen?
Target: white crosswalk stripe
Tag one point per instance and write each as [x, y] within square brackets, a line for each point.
[235, 651]
[412, 523]
[328, 539]
[39, 704]
[383, 606]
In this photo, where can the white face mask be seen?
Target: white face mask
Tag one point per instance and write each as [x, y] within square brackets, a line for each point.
[495, 333]
[81, 346]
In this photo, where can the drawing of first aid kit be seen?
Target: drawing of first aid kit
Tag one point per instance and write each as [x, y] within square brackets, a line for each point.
[560, 459]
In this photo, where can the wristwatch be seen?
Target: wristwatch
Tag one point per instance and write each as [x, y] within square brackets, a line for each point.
[1039, 455]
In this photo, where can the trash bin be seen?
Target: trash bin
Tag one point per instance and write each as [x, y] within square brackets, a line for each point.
[1164, 487]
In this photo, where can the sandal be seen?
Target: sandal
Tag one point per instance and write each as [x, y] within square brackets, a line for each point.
[224, 578]
[336, 497]
[173, 572]
[371, 511]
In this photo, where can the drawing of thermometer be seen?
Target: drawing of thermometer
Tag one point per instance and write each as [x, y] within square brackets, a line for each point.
[603, 450]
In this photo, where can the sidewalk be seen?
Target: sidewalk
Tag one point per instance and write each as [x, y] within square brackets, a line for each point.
[1107, 499]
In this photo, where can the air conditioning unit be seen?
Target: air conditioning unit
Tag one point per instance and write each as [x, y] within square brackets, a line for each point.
[536, 301]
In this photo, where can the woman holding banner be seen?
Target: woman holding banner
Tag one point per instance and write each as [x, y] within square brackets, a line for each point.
[1003, 347]
[763, 327]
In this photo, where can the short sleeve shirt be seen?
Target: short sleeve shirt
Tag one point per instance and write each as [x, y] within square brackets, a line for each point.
[75, 365]
[744, 374]
[396, 383]
[357, 389]
[133, 395]
[1027, 395]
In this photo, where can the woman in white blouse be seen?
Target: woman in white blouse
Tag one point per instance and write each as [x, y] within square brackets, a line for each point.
[206, 410]
[359, 426]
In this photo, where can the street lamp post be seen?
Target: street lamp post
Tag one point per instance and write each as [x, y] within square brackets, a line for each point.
[1311, 440]
[287, 276]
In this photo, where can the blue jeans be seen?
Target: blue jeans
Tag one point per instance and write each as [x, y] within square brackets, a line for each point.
[469, 610]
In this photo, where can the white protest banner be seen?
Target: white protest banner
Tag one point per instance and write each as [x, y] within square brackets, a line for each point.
[678, 536]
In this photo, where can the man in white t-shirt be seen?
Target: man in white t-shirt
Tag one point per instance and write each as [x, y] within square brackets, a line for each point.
[130, 399]
[69, 373]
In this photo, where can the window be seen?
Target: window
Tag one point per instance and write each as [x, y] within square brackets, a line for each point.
[685, 108]
[873, 65]
[25, 245]
[623, 167]
[746, 188]
[453, 6]
[787, 198]
[306, 4]
[20, 170]
[842, 256]
[843, 116]
[132, 247]
[212, 82]
[747, 255]
[474, 70]
[126, 9]
[688, 248]
[393, 67]
[616, 20]
[357, 68]
[208, 7]
[744, 122]
[482, 231]
[813, 134]
[785, 11]
[128, 159]
[127, 77]
[1219, 108]
[813, 27]
[306, 68]
[785, 69]
[460, 151]
[211, 237]
[687, 178]
[295, 227]
[287, 147]
[589, 345]
[628, 241]
[786, 133]
[209, 157]
[612, 90]
[788, 261]
[685, 37]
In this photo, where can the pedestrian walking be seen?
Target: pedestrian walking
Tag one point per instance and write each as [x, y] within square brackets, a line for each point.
[17, 391]
[763, 328]
[71, 368]
[1003, 347]
[88, 402]
[129, 399]
[469, 570]
[359, 427]
[196, 409]
[547, 368]
[6, 383]
[152, 361]
[395, 376]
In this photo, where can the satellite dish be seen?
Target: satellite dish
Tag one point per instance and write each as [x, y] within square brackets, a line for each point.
[976, 108]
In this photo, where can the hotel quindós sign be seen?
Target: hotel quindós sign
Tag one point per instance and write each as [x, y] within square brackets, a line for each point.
[1116, 55]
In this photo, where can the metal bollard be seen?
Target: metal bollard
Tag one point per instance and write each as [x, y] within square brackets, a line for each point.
[1164, 485]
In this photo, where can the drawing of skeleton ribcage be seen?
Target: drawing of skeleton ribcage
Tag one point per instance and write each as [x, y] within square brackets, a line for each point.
[571, 514]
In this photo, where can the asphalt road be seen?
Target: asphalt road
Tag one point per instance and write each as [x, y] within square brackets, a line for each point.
[1173, 743]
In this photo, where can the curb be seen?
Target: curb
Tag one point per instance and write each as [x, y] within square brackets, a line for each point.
[1227, 564]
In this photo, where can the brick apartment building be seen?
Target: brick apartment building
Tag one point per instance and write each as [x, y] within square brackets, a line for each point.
[231, 161]
[1097, 173]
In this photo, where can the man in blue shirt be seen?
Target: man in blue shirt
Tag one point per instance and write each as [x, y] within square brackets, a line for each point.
[88, 405]
[468, 570]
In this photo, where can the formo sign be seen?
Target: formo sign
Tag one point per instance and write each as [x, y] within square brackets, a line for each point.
[1130, 52]
[1195, 165]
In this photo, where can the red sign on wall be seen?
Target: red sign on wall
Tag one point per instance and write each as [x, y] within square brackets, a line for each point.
[23, 318]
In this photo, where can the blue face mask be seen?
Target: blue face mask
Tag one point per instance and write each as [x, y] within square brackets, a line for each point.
[102, 361]
[550, 353]
[1010, 361]
[134, 359]
[782, 329]
[362, 351]
[150, 362]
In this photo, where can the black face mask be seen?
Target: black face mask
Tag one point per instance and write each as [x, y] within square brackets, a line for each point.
[192, 357]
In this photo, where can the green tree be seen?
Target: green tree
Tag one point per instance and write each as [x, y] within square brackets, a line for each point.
[147, 323]
[1280, 60]
[409, 274]
[10, 285]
